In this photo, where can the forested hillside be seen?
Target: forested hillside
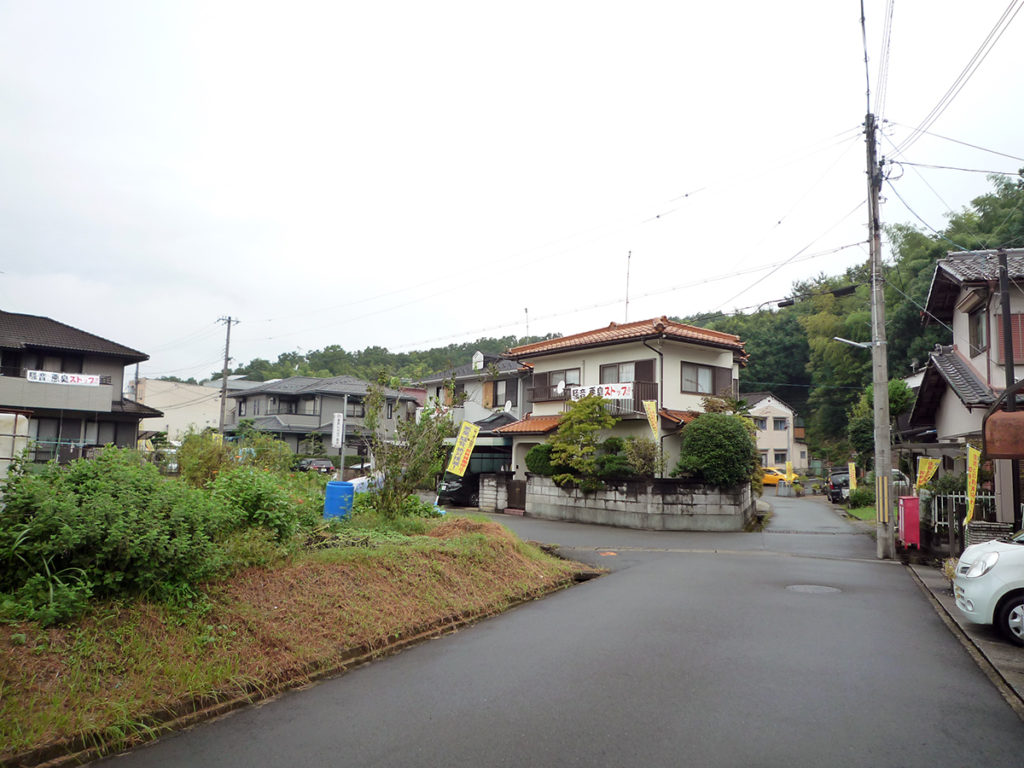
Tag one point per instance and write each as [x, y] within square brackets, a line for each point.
[791, 348]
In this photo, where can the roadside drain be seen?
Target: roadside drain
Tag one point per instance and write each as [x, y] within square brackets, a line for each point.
[812, 589]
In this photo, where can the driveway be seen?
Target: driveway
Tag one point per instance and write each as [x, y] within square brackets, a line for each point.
[791, 647]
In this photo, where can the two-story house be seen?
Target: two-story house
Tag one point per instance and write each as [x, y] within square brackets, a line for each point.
[672, 364]
[294, 408]
[779, 437]
[963, 379]
[60, 389]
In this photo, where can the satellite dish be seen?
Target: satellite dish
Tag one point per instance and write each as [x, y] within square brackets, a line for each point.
[508, 406]
[560, 388]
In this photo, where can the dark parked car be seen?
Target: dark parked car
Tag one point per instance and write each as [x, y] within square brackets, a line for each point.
[459, 491]
[323, 466]
[838, 486]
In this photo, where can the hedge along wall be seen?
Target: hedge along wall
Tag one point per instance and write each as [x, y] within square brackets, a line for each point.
[657, 505]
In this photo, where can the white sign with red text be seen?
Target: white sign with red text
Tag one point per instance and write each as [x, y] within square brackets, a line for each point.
[607, 391]
[51, 377]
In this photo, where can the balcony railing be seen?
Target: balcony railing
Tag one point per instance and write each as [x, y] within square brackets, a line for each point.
[634, 408]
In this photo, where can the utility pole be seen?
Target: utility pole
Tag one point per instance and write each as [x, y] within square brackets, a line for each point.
[224, 372]
[1009, 366]
[884, 539]
[629, 257]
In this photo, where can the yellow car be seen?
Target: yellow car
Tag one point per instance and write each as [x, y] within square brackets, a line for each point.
[772, 476]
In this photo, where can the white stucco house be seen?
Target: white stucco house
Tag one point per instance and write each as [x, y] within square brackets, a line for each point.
[779, 439]
[963, 379]
[669, 363]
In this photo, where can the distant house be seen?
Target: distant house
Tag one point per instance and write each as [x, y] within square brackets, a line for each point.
[779, 436]
[184, 406]
[292, 409]
[670, 364]
[963, 379]
[60, 389]
[485, 385]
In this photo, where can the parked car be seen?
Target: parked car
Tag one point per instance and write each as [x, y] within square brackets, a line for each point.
[459, 491]
[989, 585]
[323, 466]
[772, 476]
[838, 487]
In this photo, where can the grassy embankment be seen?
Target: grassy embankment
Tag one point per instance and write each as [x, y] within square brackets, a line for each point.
[129, 670]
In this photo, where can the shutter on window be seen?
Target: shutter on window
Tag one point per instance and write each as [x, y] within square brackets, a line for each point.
[1017, 332]
[644, 370]
[723, 381]
[489, 393]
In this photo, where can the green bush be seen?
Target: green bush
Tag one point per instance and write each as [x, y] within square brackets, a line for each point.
[613, 466]
[717, 449]
[644, 456]
[864, 496]
[279, 502]
[538, 460]
[201, 457]
[101, 527]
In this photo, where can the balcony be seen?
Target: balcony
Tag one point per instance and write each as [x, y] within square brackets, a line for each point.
[629, 408]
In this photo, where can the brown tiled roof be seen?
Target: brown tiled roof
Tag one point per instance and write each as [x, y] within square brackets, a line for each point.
[33, 332]
[616, 333]
[531, 425]
[679, 417]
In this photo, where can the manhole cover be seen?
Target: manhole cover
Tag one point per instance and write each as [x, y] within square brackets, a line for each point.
[813, 589]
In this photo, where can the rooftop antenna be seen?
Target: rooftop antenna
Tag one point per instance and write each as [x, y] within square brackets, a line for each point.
[527, 311]
[629, 256]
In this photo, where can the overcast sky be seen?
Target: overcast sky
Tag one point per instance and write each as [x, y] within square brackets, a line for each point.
[411, 174]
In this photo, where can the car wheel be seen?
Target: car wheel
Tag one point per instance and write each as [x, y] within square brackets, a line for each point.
[1011, 620]
[474, 499]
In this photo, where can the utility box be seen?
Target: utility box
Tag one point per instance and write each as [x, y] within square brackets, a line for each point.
[909, 523]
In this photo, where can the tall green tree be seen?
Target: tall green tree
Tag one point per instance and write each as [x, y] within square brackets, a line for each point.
[575, 441]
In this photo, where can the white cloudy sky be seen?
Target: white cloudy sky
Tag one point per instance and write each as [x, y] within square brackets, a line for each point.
[411, 174]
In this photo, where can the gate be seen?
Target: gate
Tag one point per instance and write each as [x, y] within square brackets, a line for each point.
[517, 494]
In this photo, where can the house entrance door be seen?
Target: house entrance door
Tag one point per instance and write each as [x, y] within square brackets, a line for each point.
[517, 494]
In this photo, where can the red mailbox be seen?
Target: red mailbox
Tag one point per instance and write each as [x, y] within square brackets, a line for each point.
[909, 530]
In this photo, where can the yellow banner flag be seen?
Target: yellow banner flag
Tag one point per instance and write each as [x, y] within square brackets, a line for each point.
[463, 448]
[790, 474]
[926, 469]
[973, 461]
[852, 469]
[651, 409]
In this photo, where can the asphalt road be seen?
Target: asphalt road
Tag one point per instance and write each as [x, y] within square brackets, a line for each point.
[792, 647]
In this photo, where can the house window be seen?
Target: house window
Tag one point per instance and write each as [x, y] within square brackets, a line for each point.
[697, 378]
[71, 364]
[545, 384]
[255, 407]
[241, 407]
[764, 458]
[354, 408]
[761, 422]
[497, 393]
[779, 424]
[618, 373]
[977, 323]
[780, 457]
[1016, 334]
[391, 409]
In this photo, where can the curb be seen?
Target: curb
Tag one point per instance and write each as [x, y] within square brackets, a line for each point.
[1006, 688]
[86, 747]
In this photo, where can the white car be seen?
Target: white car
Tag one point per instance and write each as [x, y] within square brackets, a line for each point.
[989, 585]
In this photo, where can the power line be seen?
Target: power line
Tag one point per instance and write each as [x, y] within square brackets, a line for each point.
[918, 217]
[965, 74]
[958, 141]
[954, 168]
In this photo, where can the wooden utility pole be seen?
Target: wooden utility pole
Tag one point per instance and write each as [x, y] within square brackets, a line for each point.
[224, 372]
[885, 541]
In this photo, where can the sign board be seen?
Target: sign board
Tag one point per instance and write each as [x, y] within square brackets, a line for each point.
[622, 391]
[51, 377]
[338, 431]
[463, 448]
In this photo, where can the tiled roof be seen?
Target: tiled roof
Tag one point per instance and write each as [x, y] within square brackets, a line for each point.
[30, 331]
[947, 369]
[678, 417]
[957, 269]
[531, 425]
[336, 385]
[135, 409]
[466, 371]
[615, 333]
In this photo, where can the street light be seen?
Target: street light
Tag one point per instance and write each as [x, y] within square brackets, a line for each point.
[860, 344]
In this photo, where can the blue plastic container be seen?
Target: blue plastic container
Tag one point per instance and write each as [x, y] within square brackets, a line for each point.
[338, 499]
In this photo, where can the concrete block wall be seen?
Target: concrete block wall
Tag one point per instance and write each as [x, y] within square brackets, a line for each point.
[494, 492]
[671, 505]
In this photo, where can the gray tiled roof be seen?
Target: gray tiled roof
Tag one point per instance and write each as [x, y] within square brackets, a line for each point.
[977, 266]
[19, 331]
[946, 369]
[467, 372]
[336, 385]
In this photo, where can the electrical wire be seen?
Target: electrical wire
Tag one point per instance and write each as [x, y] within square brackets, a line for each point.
[962, 143]
[918, 217]
[965, 75]
[954, 168]
[883, 64]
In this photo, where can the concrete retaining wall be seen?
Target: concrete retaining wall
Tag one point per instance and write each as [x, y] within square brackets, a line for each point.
[663, 504]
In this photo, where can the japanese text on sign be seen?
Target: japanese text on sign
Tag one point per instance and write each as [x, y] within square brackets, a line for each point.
[607, 391]
[51, 377]
[463, 448]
